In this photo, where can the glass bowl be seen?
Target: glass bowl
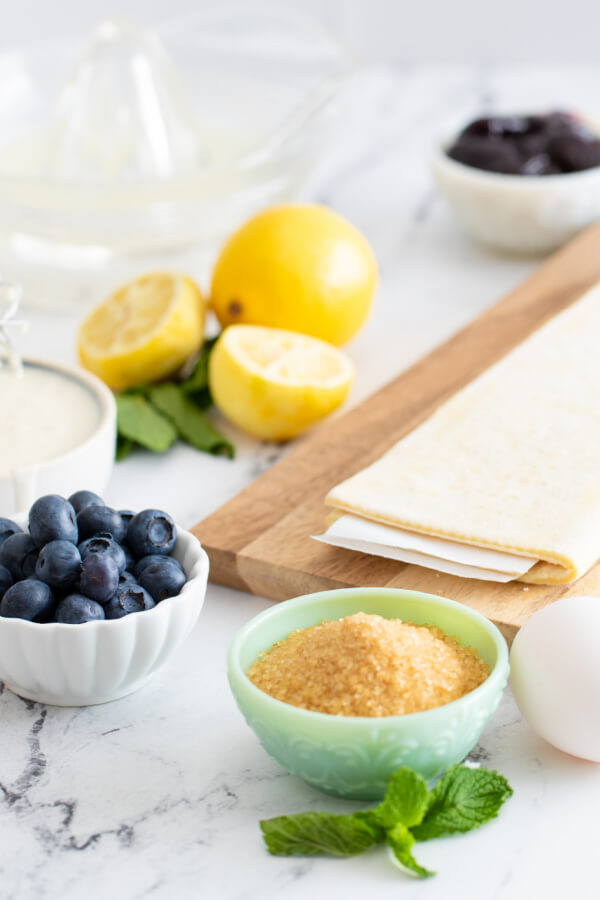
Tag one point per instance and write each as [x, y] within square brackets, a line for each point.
[139, 143]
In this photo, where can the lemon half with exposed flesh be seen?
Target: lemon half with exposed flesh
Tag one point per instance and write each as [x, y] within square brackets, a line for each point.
[145, 331]
[274, 384]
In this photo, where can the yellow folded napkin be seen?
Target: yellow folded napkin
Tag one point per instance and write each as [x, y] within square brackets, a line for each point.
[510, 463]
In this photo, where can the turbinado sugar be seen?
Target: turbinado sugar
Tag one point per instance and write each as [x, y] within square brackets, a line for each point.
[365, 665]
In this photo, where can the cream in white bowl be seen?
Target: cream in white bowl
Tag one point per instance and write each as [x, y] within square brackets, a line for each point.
[78, 665]
[58, 432]
[521, 214]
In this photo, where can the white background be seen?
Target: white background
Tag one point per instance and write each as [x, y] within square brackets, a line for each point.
[413, 31]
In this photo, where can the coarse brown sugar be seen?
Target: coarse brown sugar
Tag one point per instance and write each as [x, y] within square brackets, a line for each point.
[365, 665]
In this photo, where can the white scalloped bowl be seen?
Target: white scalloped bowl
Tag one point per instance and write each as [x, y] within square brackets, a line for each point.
[79, 665]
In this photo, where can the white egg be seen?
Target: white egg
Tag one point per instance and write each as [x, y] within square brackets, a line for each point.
[555, 674]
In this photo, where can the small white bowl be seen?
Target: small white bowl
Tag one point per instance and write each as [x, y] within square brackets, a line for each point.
[521, 214]
[89, 462]
[79, 665]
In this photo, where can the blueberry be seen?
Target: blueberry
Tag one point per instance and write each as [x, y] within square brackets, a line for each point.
[145, 561]
[6, 580]
[52, 518]
[80, 499]
[99, 577]
[163, 577]
[106, 546]
[19, 554]
[75, 610]
[151, 531]
[130, 598]
[8, 528]
[127, 515]
[58, 564]
[100, 519]
[129, 558]
[29, 599]
[127, 578]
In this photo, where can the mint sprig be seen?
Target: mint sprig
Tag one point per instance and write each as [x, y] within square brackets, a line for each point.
[140, 423]
[154, 416]
[317, 834]
[190, 422]
[196, 383]
[464, 799]
[401, 842]
[406, 800]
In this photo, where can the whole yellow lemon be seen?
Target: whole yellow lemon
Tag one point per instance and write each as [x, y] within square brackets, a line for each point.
[298, 267]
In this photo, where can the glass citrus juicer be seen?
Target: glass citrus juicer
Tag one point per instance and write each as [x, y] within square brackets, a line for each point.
[146, 149]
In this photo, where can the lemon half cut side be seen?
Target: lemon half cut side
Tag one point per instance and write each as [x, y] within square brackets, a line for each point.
[274, 384]
[145, 331]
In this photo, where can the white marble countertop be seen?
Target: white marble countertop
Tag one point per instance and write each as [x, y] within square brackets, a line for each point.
[159, 795]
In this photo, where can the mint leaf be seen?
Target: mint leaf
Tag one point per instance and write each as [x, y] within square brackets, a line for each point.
[192, 425]
[463, 799]
[124, 447]
[401, 842]
[316, 834]
[139, 422]
[196, 384]
[405, 801]
[369, 818]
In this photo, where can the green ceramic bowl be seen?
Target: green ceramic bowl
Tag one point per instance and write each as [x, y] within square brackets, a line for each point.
[352, 756]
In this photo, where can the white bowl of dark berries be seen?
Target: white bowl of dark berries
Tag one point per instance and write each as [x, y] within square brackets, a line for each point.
[93, 600]
[522, 184]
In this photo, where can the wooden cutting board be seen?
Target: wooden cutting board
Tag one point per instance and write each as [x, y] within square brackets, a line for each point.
[260, 541]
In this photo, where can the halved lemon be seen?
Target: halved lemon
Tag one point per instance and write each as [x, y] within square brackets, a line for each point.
[144, 331]
[273, 383]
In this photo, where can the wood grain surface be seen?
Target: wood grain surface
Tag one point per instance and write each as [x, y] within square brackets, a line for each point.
[260, 541]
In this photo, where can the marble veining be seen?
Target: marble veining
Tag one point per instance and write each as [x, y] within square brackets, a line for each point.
[158, 795]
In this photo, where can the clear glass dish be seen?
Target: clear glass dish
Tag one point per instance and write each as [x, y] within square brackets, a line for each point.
[136, 150]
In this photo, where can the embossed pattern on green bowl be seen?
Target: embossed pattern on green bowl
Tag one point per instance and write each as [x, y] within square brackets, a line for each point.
[352, 756]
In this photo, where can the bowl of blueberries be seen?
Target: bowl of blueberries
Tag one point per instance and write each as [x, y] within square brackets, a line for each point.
[525, 183]
[93, 600]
